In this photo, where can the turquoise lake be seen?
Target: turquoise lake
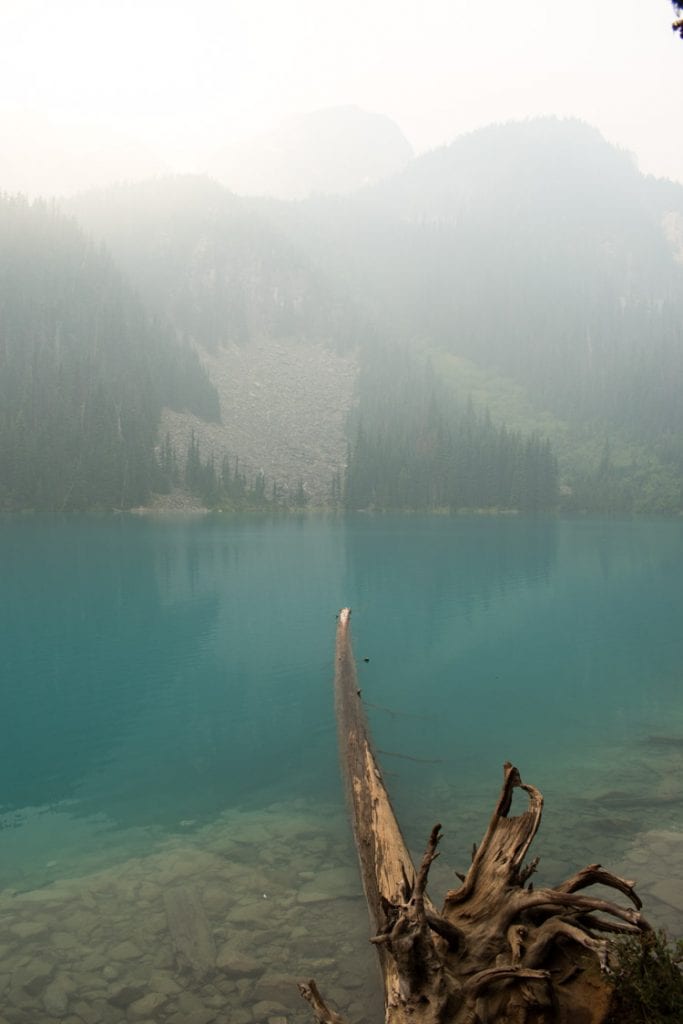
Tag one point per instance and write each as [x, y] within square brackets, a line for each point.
[167, 693]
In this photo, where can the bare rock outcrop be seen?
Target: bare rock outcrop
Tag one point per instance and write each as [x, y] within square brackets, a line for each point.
[284, 407]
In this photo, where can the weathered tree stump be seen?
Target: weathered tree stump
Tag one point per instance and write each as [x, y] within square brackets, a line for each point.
[498, 950]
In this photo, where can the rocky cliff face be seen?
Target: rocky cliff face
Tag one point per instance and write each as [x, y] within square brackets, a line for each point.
[284, 407]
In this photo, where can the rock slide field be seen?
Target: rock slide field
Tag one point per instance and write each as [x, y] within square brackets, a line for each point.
[284, 408]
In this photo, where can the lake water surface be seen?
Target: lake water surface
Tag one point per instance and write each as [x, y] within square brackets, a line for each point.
[167, 719]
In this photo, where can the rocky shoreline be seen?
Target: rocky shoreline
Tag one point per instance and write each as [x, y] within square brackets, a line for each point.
[282, 902]
[274, 896]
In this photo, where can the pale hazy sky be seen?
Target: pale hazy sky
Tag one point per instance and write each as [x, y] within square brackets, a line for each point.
[92, 90]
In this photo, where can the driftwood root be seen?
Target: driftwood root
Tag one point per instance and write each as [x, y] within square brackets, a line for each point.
[499, 949]
[321, 1011]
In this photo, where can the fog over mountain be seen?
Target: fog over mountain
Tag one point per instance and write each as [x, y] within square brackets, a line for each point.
[517, 293]
[495, 323]
[329, 151]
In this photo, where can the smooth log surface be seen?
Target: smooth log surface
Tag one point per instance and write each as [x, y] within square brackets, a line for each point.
[385, 863]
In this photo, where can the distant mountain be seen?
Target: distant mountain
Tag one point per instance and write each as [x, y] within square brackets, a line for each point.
[539, 250]
[333, 151]
[543, 271]
[214, 264]
[527, 275]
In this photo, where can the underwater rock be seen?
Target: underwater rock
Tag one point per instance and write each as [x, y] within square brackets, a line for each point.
[235, 964]
[245, 989]
[164, 983]
[29, 929]
[276, 987]
[669, 891]
[87, 1013]
[227, 988]
[217, 897]
[254, 832]
[63, 940]
[125, 951]
[329, 884]
[639, 856]
[124, 995]
[193, 1009]
[155, 923]
[308, 947]
[55, 999]
[238, 1016]
[356, 1011]
[191, 936]
[266, 1008]
[95, 962]
[203, 1016]
[146, 1007]
[257, 913]
[34, 978]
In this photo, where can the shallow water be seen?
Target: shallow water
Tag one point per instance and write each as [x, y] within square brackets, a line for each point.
[168, 721]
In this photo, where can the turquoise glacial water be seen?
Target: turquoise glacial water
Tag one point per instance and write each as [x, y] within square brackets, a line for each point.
[157, 673]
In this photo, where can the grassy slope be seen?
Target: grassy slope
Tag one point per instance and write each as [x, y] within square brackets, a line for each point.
[579, 448]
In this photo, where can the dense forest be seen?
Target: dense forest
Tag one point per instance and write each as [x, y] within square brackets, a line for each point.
[219, 485]
[414, 448]
[84, 371]
[512, 305]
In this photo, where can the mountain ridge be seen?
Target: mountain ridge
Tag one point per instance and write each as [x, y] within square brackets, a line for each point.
[564, 283]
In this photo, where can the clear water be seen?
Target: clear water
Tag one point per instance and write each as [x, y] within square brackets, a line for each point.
[167, 686]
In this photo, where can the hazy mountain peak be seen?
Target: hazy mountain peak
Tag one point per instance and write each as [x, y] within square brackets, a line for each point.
[333, 151]
[515, 168]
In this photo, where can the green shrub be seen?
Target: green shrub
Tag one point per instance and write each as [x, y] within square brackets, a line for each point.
[648, 984]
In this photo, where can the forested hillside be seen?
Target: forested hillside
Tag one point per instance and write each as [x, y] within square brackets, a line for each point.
[530, 266]
[413, 446]
[232, 274]
[84, 371]
[539, 249]
[217, 265]
[278, 335]
[535, 255]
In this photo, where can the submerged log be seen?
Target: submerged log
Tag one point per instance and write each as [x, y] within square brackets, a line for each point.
[498, 950]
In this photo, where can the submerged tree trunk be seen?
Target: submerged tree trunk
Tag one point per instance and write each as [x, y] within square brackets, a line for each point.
[498, 950]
